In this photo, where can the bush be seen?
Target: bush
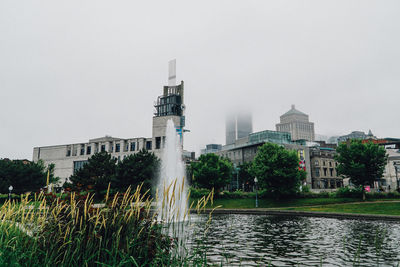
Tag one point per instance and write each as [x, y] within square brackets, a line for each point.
[349, 192]
[198, 192]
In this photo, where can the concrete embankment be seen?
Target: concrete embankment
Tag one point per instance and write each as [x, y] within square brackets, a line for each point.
[275, 212]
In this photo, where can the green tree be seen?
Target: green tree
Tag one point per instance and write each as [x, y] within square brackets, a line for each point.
[363, 163]
[277, 170]
[95, 175]
[24, 176]
[136, 169]
[211, 171]
[245, 176]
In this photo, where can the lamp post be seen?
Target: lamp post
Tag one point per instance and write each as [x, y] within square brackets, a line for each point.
[237, 178]
[255, 182]
[9, 191]
[396, 165]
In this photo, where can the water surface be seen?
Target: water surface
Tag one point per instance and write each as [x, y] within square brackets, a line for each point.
[254, 240]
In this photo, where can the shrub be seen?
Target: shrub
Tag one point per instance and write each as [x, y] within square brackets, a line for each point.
[349, 192]
[198, 192]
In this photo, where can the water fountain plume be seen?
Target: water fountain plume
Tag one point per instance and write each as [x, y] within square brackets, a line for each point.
[172, 187]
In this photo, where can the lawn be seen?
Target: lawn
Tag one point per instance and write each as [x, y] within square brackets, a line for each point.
[249, 203]
[386, 208]
[303, 204]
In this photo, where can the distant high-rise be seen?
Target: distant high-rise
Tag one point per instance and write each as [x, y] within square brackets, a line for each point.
[297, 124]
[238, 126]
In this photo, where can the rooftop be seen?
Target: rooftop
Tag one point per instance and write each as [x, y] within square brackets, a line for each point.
[294, 111]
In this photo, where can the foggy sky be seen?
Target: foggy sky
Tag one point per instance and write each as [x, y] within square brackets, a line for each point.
[71, 70]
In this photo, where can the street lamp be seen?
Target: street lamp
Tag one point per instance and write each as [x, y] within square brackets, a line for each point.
[396, 165]
[9, 191]
[255, 182]
[237, 178]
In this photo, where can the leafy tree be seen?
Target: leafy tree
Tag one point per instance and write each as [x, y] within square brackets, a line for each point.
[24, 176]
[277, 170]
[95, 175]
[136, 169]
[363, 163]
[245, 176]
[211, 171]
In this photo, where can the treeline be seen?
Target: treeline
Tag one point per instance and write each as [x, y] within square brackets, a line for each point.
[276, 169]
[24, 176]
[102, 169]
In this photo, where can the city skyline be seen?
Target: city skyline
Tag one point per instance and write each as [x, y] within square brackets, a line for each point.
[66, 80]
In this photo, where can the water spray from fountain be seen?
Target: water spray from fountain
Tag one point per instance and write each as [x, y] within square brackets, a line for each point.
[172, 186]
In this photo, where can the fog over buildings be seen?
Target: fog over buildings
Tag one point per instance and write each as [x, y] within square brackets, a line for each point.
[71, 71]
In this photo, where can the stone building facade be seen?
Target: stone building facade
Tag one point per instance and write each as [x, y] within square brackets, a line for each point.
[297, 124]
[323, 168]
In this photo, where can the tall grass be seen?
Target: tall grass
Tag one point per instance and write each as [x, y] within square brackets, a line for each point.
[123, 231]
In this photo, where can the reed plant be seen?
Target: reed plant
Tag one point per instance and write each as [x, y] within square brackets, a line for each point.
[123, 230]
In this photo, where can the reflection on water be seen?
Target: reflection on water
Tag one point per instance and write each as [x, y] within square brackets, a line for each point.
[253, 240]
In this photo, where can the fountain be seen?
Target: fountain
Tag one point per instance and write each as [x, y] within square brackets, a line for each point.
[172, 191]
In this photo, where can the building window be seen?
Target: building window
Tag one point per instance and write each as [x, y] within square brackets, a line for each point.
[330, 164]
[148, 145]
[317, 172]
[103, 148]
[316, 163]
[331, 171]
[79, 164]
[325, 171]
[69, 152]
[88, 150]
[82, 150]
[117, 147]
[158, 142]
[133, 144]
[126, 146]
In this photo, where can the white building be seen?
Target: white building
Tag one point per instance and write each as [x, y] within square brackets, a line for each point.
[69, 158]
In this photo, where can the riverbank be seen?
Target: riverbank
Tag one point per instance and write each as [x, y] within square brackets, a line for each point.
[378, 210]
[249, 203]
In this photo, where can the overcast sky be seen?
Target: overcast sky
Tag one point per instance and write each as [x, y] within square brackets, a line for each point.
[75, 70]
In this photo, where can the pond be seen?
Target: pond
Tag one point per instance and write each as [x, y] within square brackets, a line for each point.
[254, 240]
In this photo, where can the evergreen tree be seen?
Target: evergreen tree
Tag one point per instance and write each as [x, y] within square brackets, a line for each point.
[95, 175]
[136, 169]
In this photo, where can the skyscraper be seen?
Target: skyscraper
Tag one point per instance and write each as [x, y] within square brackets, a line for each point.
[297, 124]
[237, 126]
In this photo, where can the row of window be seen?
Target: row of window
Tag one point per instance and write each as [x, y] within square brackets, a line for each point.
[128, 147]
[325, 172]
[324, 163]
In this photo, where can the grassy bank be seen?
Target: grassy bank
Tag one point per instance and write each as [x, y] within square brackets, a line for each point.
[249, 203]
[386, 208]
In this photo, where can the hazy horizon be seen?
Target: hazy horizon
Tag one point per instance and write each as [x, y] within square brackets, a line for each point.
[73, 71]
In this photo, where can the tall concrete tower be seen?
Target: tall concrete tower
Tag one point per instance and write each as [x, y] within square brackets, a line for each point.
[238, 125]
[230, 129]
[169, 105]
